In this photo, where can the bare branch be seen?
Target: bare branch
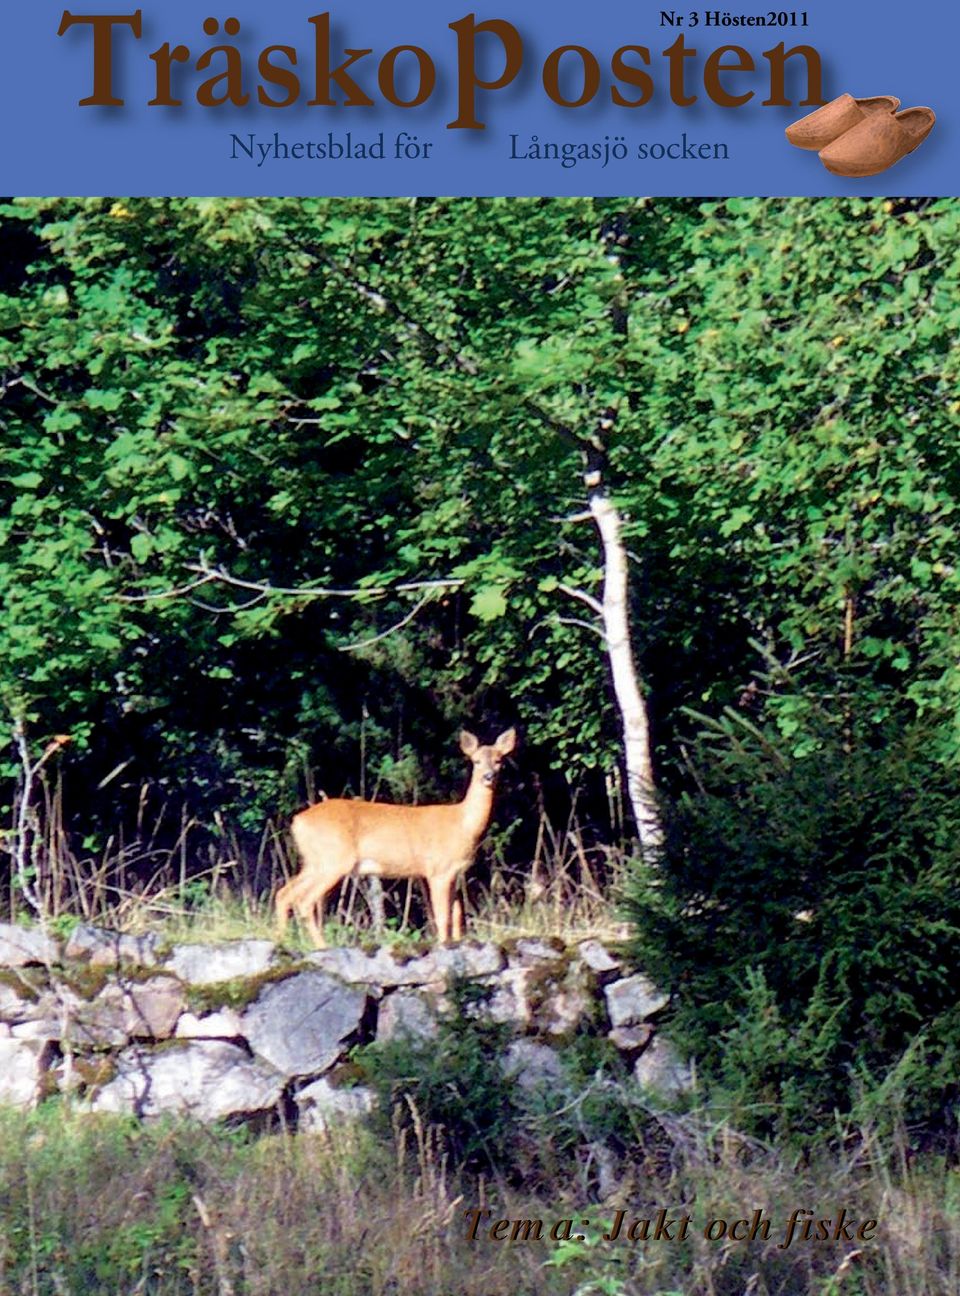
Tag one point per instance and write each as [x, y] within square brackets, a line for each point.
[261, 589]
[227, 609]
[593, 604]
[584, 516]
[585, 625]
[365, 643]
[170, 593]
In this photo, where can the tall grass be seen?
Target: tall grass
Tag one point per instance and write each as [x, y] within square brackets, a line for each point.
[207, 881]
[95, 1205]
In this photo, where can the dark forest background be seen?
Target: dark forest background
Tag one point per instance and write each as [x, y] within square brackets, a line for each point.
[285, 501]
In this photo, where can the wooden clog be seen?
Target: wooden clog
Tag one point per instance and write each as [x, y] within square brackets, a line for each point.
[823, 125]
[878, 142]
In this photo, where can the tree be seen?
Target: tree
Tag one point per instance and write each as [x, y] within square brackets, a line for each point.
[401, 398]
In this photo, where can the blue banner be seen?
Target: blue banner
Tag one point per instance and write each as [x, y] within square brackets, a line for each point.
[436, 97]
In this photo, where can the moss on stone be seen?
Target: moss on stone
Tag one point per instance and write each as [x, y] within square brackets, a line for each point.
[28, 982]
[85, 979]
[174, 1044]
[345, 1075]
[239, 992]
[94, 1070]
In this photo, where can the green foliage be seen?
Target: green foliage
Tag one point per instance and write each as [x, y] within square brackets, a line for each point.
[453, 1082]
[807, 920]
[363, 395]
[97, 1203]
[65, 1220]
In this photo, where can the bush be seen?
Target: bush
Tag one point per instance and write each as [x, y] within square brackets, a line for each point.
[807, 919]
[582, 1126]
[454, 1082]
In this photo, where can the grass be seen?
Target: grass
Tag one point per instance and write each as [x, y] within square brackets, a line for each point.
[192, 881]
[96, 1204]
[228, 916]
[222, 912]
[165, 866]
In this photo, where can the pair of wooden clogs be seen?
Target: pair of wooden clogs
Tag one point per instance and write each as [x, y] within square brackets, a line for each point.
[862, 137]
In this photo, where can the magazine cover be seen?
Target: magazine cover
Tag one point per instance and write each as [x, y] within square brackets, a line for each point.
[480, 671]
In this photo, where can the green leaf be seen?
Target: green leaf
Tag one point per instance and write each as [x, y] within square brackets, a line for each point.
[141, 546]
[489, 603]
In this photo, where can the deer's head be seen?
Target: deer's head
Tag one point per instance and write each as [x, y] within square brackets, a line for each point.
[486, 761]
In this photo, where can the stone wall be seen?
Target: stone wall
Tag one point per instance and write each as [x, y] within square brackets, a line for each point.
[247, 1030]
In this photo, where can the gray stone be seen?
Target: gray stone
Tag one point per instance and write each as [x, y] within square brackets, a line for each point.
[633, 999]
[42, 1028]
[18, 1003]
[357, 967]
[321, 1106]
[24, 1064]
[225, 1023]
[122, 1011]
[299, 1025]
[102, 948]
[563, 1009]
[50, 1014]
[406, 1013]
[532, 952]
[207, 964]
[532, 1066]
[468, 959]
[381, 968]
[205, 1079]
[136, 1009]
[64, 1015]
[510, 1001]
[597, 957]
[20, 946]
[631, 1039]
[660, 1067]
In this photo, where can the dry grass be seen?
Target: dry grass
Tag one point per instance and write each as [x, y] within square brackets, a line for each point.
[196, 881]
[91, 1205]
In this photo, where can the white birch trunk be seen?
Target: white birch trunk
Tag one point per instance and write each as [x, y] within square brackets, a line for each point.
[626, 684]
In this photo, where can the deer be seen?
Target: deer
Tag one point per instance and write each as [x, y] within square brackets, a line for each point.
[339, 837]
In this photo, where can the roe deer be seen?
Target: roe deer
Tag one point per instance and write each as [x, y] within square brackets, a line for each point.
[434, 842]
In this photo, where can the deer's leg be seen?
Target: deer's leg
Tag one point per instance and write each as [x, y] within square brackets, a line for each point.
[456, 914]
[328, 856]
[286, 901]
[308, 903]
[441, 889]
[375, 903]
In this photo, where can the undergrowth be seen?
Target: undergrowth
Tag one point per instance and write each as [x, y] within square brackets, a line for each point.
[92, 1204]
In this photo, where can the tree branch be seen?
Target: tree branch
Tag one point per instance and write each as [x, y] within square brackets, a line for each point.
[584, 625]
[592, 603]
[176, 592]
[365, 643]
[263, 589]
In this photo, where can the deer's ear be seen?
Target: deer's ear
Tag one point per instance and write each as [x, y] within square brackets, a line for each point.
[506, 742]
[468, 743]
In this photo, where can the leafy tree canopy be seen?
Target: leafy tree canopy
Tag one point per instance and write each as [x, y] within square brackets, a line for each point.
[370, 395]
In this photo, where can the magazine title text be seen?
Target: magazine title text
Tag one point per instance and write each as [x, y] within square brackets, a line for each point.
[487, 56]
